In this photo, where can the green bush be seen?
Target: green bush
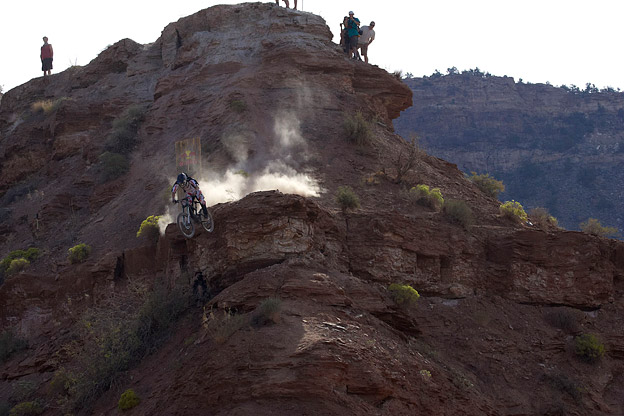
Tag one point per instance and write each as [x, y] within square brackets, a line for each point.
[487, 184]
[10, 343]
[112, 166]
[593, 226]
[149, 228]
[588, 347]
[542, 217]
[238, 106]
[403, 295]
[358, 130]
[459, 212]
[128, 400]
[431, 198]
[26, 409]
[267, 312]
[346, 198]
[17, 266]
[514, 211]
[30, 255]
[123, 137]
[79, 253]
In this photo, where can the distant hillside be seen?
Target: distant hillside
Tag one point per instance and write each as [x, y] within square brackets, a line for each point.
[559, 148]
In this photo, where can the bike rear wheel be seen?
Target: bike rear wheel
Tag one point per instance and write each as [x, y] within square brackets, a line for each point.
[207, 221]
[186, 225]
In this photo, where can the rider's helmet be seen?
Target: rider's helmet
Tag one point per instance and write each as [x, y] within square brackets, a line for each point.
[182, 178]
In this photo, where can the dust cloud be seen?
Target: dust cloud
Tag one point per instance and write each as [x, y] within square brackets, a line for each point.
[263, 161]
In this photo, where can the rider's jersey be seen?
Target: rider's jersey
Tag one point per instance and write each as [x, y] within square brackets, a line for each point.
[190, 188]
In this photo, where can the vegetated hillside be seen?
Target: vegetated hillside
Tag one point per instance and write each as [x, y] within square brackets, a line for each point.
[305, 308]
[558, 148]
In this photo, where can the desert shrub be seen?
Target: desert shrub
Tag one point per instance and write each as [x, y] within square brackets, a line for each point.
[459, 212]
[346, 198]
[123, 137]
[565, 319]
[128, 400]
[238, 106]
[79, 253]
[565, 384]
[267, 312]
[588, 347]
[514, 211]
[221, 326]
[29, 255]
[371, 180]
[62, 381]
[431, 198]
[32, 408]
[593, 226]
[403, 295]
[24, 390]
[149, 228]
[115, 337]
[17, 266]
[358, 130]
[47, 106]
[10, 343]
[112, 166]
[406, 158]
[542, 217]
[160, 310]
[487, 184]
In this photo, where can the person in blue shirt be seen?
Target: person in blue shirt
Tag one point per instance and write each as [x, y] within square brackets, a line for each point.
[353, 32]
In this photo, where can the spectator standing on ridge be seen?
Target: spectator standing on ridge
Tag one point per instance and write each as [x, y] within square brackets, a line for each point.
[353, 31]
[367, 37]
[287, 3]
[47, 54]
[344, 38]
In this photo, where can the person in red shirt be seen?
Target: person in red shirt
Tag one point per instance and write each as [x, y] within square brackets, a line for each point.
[47, 54]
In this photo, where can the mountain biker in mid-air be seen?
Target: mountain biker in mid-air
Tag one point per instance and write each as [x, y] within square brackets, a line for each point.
[190, 188]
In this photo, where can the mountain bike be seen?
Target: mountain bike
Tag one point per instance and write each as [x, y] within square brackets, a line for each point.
[191, 214]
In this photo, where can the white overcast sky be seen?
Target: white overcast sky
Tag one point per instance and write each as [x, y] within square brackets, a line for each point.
[559, 41]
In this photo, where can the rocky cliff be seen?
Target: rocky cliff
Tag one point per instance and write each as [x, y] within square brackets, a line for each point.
[295, 316]
[558, 148]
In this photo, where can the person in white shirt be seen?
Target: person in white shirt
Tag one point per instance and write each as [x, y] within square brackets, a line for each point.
[287, 3]
[366, 38]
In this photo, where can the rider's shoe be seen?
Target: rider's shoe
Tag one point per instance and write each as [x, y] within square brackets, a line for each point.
[205, 210]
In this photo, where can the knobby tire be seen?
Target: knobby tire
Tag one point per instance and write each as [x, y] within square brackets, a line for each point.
[207, 222]
[189, 231]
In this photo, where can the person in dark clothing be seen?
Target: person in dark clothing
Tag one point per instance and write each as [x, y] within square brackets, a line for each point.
[47, 55]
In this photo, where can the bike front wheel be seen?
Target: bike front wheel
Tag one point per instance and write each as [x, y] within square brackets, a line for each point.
[207, 222]
[186, 225]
